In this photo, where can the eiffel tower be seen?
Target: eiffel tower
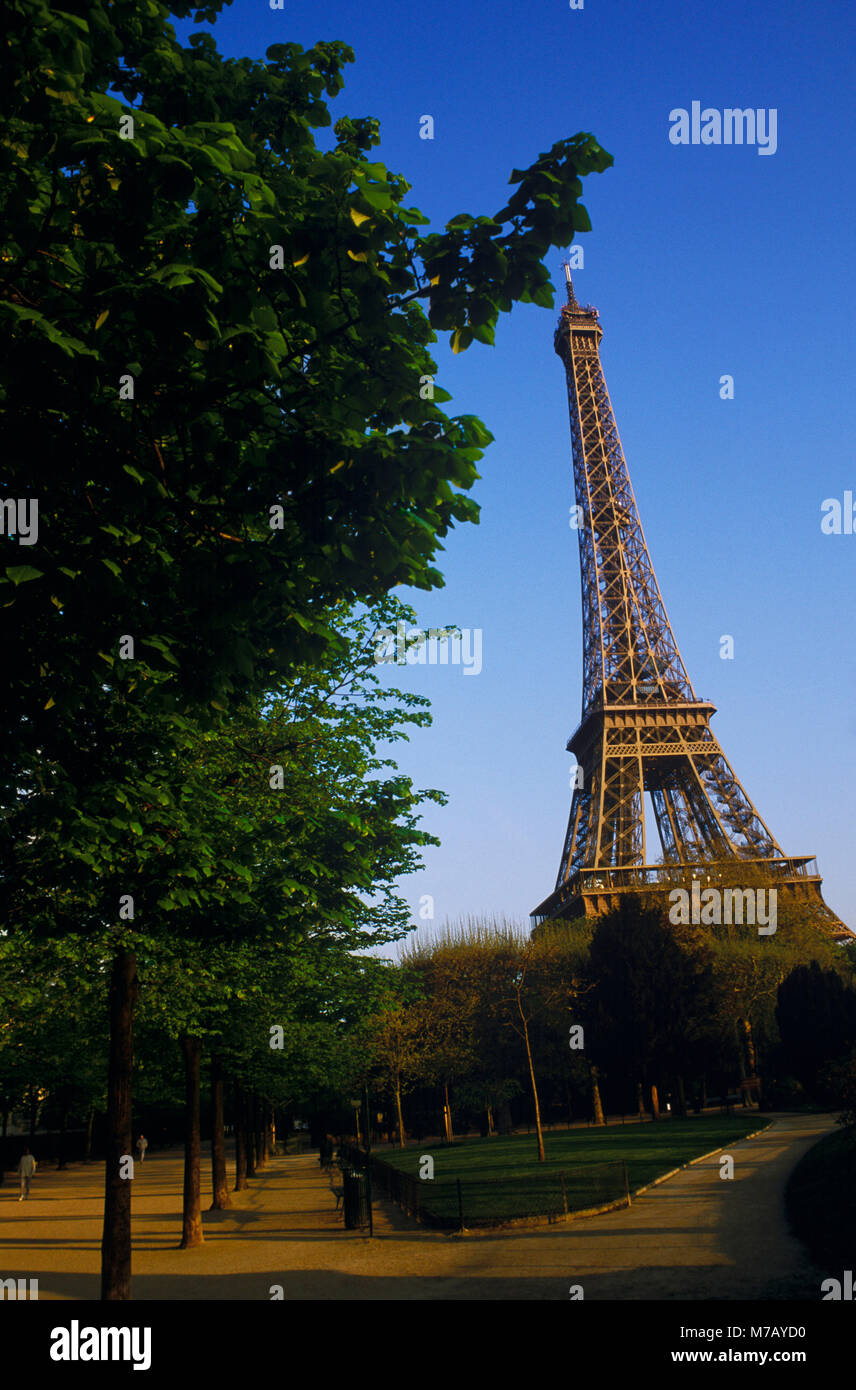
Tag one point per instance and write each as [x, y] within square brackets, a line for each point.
[643, 728]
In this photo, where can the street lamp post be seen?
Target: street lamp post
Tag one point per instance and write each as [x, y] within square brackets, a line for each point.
[357, 1104]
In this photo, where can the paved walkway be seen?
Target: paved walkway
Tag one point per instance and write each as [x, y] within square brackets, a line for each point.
[696, 1236]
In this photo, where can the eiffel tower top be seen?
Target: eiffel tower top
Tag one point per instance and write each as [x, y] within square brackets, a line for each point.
[573, 303]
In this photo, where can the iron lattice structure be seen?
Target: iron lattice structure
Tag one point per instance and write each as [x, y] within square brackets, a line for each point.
[643, 728]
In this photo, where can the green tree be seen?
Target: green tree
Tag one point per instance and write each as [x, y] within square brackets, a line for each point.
[238, 387]
[277, 455]
[52, 1034]
[653, 997]
[443, 973]
[816, 1014]
[284, 817]
[395, 1039]
[484, 983]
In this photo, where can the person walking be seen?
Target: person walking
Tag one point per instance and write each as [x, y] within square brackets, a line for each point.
[142, 1145]
[26, 1169]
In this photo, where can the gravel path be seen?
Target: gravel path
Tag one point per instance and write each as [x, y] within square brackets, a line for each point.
[696, 1236]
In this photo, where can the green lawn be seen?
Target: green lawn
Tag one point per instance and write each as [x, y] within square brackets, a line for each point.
[502, 1178]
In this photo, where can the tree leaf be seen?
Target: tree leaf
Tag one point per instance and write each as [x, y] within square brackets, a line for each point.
[461, 339]
[19, 574]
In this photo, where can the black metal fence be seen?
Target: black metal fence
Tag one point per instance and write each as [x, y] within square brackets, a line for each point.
[464, 1203]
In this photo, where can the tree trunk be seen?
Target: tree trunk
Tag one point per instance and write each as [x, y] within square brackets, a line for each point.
[5, 1122]
[680, 1097]
[220, 1191]
[192, 1217]
[596, 1104]
[655, 1102]
[753, 1093]
[240, 1141]
[699, 1098]
[640, 1100]
[116, 1238]
[63, 1123]
[741, 1052]
[90, 1124]
[265, 1123]
[541, 1154]
[34, 1112]
[258, 1135]
[400, 1119]
[491, 1129]
[249, 1136]
[447, 1113]
[253, 1134]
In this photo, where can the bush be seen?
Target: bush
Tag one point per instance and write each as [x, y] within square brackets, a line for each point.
[838, 1084]
[820, 1199]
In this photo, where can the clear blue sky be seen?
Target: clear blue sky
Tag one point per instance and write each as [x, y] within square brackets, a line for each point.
[703, 260]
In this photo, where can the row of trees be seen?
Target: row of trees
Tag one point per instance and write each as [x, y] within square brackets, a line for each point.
[611, 1014]
[243, 1030]
[618, 1010]
[214, 342]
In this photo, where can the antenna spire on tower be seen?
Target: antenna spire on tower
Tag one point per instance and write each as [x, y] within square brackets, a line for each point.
[572, 298]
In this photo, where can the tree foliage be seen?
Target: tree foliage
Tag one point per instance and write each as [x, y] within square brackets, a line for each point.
[263, 378]
[816, 1014]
